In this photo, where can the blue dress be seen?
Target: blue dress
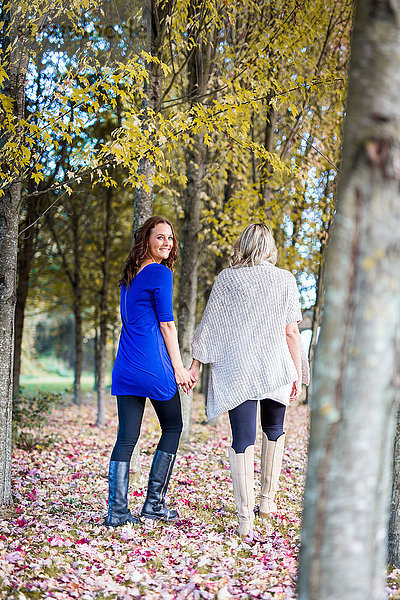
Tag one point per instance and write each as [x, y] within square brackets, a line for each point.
[142, 366]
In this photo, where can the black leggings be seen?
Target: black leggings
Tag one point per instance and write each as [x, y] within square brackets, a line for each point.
[130, 414]
[243, 420]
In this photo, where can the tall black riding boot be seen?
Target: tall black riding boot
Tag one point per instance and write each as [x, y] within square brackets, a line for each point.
[160, 474]
[118, 482]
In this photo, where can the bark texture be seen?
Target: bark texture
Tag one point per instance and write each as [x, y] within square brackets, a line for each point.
[189, 269]
[9, 214]
[343, 554]
[102, 355]
[9, 205]
[29, 237]
[24, 268]
[73, 273]
[199, 68]
[77, 306]
[317, 314]
[154, 20]
[394, 521]
[266, 169]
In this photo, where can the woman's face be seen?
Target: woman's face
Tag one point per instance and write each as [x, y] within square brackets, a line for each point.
[160, 242]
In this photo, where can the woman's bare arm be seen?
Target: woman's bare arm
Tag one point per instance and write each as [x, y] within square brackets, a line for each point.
[294, 344]
[195, 370]
[182, 375]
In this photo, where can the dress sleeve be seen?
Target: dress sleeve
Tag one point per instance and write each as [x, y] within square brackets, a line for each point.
[163, 295]
[293, 313]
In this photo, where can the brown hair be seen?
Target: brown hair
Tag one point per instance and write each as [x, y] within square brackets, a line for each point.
[139, 250]
[255, 245]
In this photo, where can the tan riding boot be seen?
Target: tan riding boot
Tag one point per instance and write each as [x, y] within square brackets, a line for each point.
[271, 464]
[242, 470]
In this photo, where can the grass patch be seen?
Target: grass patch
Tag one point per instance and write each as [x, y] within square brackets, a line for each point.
[51, 382]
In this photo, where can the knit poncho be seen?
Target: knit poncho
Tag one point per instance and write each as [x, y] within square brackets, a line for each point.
[243, 335]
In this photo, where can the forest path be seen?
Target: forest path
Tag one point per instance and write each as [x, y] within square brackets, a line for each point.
[55, 546]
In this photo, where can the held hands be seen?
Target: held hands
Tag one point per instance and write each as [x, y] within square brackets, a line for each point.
[187, 379]
[184, 379]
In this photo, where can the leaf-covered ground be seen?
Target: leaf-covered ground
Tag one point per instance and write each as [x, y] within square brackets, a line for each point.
[53, 543]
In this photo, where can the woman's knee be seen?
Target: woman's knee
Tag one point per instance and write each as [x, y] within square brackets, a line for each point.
[123, 450]
[243, 421]
[173, 428]
[240, 446]
[272, 418]
[273, 432]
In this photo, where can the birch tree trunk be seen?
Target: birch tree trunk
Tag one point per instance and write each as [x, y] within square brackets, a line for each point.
[14, 87]
[343, 554]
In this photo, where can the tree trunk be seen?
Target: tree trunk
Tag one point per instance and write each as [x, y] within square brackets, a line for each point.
[77, 306]
[221, 261]
[96, 355]
[9, 205]
[198, 74]
[24, 268]
[154, 19]
[10, 202]
[78, 347]
[253, 156]
[189, 268]
[316, 323]
[266, 170]
[73, 273]
[343, 553]
[317, 315]
[101, 391]
[27, 248]
[195, 169]
[394, 521]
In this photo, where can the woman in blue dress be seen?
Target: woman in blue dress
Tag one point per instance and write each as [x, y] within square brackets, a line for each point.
[148, 365]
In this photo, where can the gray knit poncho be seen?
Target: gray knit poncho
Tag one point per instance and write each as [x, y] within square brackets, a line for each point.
[243, 335]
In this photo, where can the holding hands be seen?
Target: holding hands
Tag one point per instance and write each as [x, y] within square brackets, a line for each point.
[187, 379]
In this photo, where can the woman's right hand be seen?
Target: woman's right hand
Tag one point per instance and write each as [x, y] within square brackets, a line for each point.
[195, 371]
[184, 379]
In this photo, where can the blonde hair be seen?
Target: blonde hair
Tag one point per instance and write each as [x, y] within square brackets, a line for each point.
[254, 246]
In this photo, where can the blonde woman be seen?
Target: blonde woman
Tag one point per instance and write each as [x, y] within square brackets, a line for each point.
[249, 334]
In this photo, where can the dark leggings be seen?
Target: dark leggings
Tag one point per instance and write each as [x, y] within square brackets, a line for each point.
[243, 420]
[130, 414]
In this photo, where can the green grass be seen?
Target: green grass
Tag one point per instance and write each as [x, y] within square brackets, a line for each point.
[49, 374]
[50, 382]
